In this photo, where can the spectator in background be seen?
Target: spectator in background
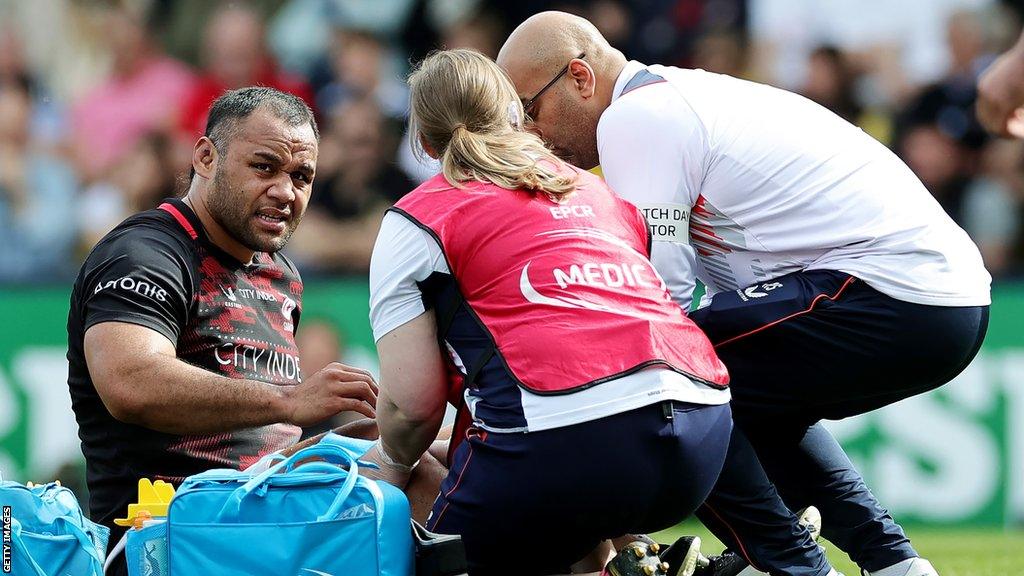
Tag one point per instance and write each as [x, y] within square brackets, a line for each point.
[37, 191]
[993, 209]
[48, 122]
[612, 17]
[143, 176]
[940, 161]
[968, 53]
[141, 96]
[900, 45]
[830, 82]
[994, 216]
[233, 56]
[951, 99]
[723, 52]
[479, 30]
[355, 183]
[183, 22]
[671, 32]
[942, 139]
[357, 67]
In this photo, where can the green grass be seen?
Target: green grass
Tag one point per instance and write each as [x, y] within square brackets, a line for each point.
[953, 551]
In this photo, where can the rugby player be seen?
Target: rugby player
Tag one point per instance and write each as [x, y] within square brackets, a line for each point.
[835, 283]
[181, 330]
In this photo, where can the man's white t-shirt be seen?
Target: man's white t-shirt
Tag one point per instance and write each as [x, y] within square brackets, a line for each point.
[405, 255]
[743, 183]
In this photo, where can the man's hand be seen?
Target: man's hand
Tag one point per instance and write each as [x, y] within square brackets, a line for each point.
[336, 388]
[1000, 106]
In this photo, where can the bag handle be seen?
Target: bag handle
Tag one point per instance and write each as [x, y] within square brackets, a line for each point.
[86, 541]
[83, 539]
[318, 466]
[21, 550]
[355, 446]
[329, 452]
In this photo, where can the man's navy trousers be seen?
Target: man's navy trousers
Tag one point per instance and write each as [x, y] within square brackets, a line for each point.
[805, 347]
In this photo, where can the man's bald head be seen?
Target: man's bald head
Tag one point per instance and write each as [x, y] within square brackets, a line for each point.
[566, 114]
[548, 40]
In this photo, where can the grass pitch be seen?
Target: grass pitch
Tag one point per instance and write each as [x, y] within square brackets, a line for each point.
[953, 551]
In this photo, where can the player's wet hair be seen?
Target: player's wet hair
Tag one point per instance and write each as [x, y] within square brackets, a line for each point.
[465, 109]
[236, 105]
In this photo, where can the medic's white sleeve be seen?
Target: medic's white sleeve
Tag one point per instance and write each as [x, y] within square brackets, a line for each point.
[652, 149]
[403, 255]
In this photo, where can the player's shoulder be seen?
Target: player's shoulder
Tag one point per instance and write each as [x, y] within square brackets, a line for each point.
[149, 234]
[145, 251]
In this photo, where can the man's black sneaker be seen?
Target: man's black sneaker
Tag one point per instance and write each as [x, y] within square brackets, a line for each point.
[728, 563]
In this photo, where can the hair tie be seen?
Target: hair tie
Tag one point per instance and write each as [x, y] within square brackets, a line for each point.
[461, 125]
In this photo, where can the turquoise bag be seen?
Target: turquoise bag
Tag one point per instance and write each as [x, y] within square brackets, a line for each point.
[50, 536]
[310, 518]
[146, 551]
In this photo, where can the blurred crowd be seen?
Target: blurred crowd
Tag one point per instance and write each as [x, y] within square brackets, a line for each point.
[101, 100]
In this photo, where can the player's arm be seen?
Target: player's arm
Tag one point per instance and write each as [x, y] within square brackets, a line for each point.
[137, 293]
[651, 152]
[1000, 105]
[141, 381]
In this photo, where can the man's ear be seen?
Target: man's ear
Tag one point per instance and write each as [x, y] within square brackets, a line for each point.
[583, 77]
[204, 158]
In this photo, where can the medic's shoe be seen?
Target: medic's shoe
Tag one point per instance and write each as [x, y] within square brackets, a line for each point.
[811, 518]
[730, 563]
[913, 566]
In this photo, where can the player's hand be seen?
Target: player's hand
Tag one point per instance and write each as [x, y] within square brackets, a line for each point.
[336, 388]
[1000, 106]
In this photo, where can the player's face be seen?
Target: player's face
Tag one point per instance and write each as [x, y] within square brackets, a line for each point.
[263, 181]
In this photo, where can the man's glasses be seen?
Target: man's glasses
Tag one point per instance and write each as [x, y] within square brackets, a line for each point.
[528, 104]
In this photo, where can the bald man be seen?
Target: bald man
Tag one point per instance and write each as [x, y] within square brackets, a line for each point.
[835, 283]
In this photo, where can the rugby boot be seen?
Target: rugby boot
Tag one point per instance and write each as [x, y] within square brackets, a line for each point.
[684, 557]
[638, 558]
